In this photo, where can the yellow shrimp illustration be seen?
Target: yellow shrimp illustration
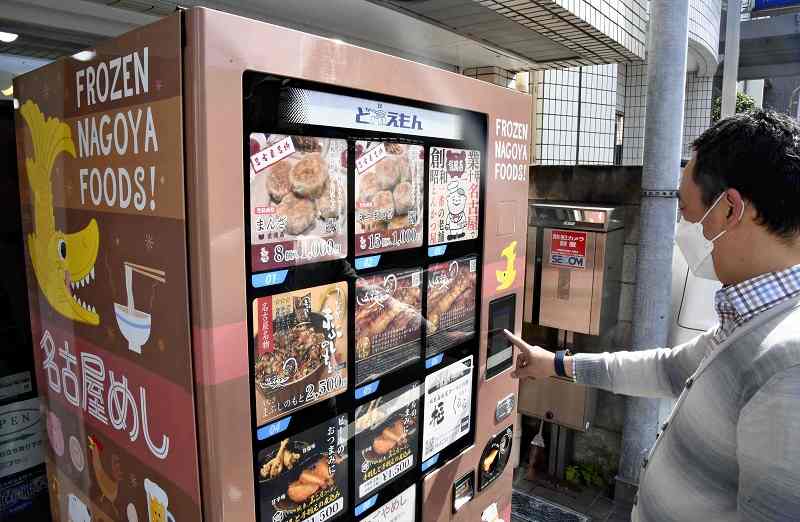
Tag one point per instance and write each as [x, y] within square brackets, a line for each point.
[63, 263]
[506, 277]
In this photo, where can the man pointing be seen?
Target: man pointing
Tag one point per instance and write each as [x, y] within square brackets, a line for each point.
[730, 449]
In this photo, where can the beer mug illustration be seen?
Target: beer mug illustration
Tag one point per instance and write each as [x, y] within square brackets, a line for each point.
[77, 510]
[157, 502]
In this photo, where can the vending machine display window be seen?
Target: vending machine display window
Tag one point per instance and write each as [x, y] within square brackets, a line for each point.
[300, 341]
[386, 439]
[451, 303]
[453, 195]
[298, 200]
[360, 262]
[304, 477]
[448, 406]
[389, 179]
[388, 322]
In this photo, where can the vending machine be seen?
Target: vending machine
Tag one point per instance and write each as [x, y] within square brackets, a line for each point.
[269, 274]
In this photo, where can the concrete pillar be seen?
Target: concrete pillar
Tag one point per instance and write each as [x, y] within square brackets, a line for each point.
[666, 84]
[730, 71]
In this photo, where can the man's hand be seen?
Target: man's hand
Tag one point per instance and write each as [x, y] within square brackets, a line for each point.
[533, 361]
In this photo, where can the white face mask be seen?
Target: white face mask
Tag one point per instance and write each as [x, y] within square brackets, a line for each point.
[694, 246]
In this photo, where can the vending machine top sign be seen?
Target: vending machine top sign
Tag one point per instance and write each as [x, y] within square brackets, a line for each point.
[326, 109]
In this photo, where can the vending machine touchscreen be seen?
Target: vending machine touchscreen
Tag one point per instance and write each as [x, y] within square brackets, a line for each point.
[501, 351]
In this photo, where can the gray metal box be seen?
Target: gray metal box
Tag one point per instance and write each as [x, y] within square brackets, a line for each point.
[578, 250]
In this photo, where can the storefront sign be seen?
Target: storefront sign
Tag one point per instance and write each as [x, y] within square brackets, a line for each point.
[334, 110]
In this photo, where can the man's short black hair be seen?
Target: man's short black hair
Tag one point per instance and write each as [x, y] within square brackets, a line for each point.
[758, 154]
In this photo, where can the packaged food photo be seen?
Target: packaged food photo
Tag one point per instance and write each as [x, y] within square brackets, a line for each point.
[300, 344]
[298, 200]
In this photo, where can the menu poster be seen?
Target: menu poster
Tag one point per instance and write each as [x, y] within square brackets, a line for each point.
[388, 209]
[400, 509]
[386, 438]
[303, 478]
[298, 200]
[448, 406]
[300, 342]
[451, 300]
[387, 322]
[454, 195]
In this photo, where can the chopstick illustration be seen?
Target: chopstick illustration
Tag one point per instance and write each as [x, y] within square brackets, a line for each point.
[153, 273]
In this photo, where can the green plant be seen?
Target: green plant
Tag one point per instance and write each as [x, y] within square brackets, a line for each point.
[586, 474]
[744, 103]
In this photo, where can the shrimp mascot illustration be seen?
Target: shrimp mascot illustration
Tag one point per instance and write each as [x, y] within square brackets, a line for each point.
[506, 277]
[62, 263]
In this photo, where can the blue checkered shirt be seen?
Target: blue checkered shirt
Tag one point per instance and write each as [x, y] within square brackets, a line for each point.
[737, 304]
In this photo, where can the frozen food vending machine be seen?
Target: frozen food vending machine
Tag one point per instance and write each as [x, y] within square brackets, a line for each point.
[267, 274]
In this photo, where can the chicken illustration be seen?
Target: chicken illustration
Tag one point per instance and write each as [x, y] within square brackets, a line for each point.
[506, 277]
[62, 263]
[107, 483]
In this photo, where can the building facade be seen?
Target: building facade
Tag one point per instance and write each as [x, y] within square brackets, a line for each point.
[594, 114]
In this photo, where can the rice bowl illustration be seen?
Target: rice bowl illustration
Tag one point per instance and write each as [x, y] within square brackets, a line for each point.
[135, 324]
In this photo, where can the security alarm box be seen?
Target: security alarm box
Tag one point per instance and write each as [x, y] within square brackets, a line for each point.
[574, 270]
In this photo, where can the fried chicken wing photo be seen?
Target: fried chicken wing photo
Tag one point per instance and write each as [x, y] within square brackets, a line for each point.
[310, 481]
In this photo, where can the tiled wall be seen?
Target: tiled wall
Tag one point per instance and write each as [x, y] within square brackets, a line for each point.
[697, 114]
[561, 96]
[635, 104]
[704, 22]
[597, 31]
[598, 106]
[556, 123]
[624, 21]
[622, 74]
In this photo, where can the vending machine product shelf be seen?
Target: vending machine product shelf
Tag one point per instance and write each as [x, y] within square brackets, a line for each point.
[261, 265]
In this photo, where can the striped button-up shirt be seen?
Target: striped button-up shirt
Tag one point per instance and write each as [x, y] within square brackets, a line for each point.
[737, 304]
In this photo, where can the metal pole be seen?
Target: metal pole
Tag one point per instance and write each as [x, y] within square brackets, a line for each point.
[666, 86]
[730, 71]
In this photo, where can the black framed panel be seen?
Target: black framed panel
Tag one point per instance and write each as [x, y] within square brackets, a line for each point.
[292, 298]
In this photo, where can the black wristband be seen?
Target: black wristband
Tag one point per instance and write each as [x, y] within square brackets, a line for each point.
[559, 363]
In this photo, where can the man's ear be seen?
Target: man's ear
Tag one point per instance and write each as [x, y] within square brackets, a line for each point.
[736, 207]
